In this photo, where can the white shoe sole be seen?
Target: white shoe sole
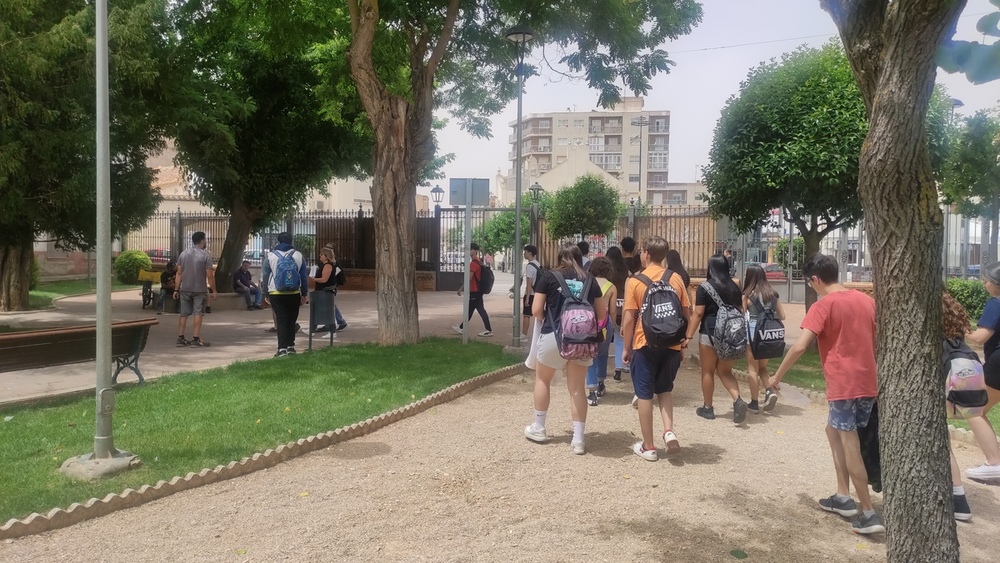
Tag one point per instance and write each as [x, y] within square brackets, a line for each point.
[963, 517]
[673, 445]
[840, 511]
[539, 439]
[648, 455]
[876, 529]
[769, 403]
[578, 448]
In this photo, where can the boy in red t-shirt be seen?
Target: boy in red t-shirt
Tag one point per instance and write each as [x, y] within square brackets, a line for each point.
[843, 324]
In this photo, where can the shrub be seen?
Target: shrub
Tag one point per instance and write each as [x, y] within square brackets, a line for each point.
[971, 294]
[36, 274]
[128, 264]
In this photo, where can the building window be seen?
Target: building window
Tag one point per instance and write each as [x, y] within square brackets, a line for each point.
[633, 178]
[676, 197]
[633, 158]
[562, 123]
[577, 123]
[596, 144]
[563, 141]
[607, 161]
[658, 160]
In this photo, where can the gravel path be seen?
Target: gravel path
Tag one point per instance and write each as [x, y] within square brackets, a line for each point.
[460, 483]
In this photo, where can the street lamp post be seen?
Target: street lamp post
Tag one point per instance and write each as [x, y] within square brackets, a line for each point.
[536, 193]
[520, 35]
[437, 194]
[641, 122]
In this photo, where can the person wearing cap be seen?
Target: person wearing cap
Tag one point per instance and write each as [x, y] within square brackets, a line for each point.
[167, 279]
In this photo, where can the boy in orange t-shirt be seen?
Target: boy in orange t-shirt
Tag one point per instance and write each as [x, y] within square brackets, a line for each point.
[843, 324]
[653, 370]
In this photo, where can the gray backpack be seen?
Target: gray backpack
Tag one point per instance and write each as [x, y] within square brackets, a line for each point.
[730, 336]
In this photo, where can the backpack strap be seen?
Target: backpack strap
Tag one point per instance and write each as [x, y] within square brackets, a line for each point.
[710, 290]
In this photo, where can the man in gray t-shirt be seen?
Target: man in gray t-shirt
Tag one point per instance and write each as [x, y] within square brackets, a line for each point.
[195, 277]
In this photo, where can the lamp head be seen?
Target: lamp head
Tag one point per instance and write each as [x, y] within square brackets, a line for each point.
[520, 34]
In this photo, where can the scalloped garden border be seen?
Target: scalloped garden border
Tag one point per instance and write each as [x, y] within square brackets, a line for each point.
[129, 498]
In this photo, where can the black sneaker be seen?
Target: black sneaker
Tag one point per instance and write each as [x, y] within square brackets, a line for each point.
[341, 327]
[868, 524]
[322, 329]
[845, 508]
[739, 411]
[754, 407]
[282, 352]
[770, 399]
[199, 343]
[181, 341]
[962, 511]
[291, 350]
[601, 389]
[592, 399]
[618, 375]
[706, 412]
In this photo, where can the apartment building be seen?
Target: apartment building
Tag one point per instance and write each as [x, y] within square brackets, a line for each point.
[627, 144]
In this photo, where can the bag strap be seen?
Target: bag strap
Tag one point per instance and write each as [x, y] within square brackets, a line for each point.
[710, 290]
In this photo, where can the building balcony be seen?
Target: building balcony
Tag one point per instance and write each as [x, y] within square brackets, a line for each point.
[658, 167]
[606, 148]
[610, 167]
[529, 150]
[606, 129]
[528, 131]
[659, 129]
[656, 185]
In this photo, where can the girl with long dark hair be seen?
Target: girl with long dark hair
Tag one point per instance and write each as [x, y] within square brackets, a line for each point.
[546, 308]
[602, 270]
[703, 320]
[758, 295]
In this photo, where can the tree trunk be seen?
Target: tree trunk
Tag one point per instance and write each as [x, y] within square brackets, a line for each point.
[237, 235]
[891, 47]
[16, 261]
[810, 240]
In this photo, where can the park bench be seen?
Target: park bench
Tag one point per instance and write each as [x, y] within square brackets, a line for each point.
[32, 349]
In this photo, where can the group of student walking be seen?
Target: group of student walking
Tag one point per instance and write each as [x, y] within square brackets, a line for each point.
[622, 295]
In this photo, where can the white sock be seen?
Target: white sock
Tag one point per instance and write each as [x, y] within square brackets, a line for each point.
[540, 420]
[843, 497]
[868, 513]
[578, 431]
[958, 491]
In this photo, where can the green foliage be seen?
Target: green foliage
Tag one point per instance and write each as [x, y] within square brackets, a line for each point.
[971, 294]
[588, 207]
[791, 139]
[497, 233]
[47, 116]
[798, 249]
[36, 274]
[128, 264]
[306, 244]
[255, 406]
[972, 171]
[980, 62]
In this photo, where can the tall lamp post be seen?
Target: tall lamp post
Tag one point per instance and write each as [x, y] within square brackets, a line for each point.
[536, 194]
[641, 122]
[520, 35]
[437, 194]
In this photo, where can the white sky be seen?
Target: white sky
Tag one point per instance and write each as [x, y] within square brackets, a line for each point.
[705, 76]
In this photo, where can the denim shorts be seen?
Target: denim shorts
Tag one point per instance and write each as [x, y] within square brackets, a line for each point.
[850, 414]
[654, 371]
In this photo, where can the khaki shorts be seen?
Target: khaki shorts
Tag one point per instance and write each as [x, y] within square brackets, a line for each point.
[193, 304]
[548, 354]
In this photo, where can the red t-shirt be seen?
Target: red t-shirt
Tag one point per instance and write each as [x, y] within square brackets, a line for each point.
[844, 324]
[476, 272]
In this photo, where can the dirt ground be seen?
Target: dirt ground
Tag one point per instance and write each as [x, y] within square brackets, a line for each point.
[460, 483]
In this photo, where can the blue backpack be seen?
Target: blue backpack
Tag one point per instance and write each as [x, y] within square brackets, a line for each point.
[286, 274]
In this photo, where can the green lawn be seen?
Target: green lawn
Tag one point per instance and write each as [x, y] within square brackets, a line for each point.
[45, 293]
[191, 421]
[806, 374]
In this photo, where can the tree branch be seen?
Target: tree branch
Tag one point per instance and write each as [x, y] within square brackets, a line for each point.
[443, 40]
[861, 23]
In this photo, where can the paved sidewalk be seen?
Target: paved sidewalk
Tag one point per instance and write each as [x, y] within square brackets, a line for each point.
[234, 335]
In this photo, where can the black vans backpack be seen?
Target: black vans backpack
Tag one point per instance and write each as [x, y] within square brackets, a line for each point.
[730, 337]
[486, 278]
[663, 320]
[769, 334]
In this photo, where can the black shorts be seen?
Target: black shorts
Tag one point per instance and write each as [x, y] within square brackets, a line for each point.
[654, 371]
[991, 369]
[528, 300]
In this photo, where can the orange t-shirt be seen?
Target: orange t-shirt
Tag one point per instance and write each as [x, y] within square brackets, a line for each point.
[635, 290]
[844, 325]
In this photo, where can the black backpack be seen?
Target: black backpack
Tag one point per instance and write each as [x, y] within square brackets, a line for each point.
[486, 278]
[663, 320]
[769, 334]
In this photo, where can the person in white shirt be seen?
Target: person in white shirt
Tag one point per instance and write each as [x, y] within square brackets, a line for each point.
[531, 270]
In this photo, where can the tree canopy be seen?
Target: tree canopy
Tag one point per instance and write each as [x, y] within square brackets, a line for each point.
[458, 59]
[972, 173]
[497, 233]
[980, 62]
[590, 206]
[47, 117]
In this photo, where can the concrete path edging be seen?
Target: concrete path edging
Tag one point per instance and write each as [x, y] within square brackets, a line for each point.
[60, 518]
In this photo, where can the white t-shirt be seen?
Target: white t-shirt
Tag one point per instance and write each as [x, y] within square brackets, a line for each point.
[530, 276]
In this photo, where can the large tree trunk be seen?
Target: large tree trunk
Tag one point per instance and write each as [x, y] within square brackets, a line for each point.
[15, 274]
[810, 240]
[891, 46]
[237, 234]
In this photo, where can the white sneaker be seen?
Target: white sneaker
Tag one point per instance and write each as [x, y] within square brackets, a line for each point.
[457, 329]
[671, 442]
[635, 401]
[535, 435]
[984, 472]
[648, 455]
[577, 447]
[486, 333]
